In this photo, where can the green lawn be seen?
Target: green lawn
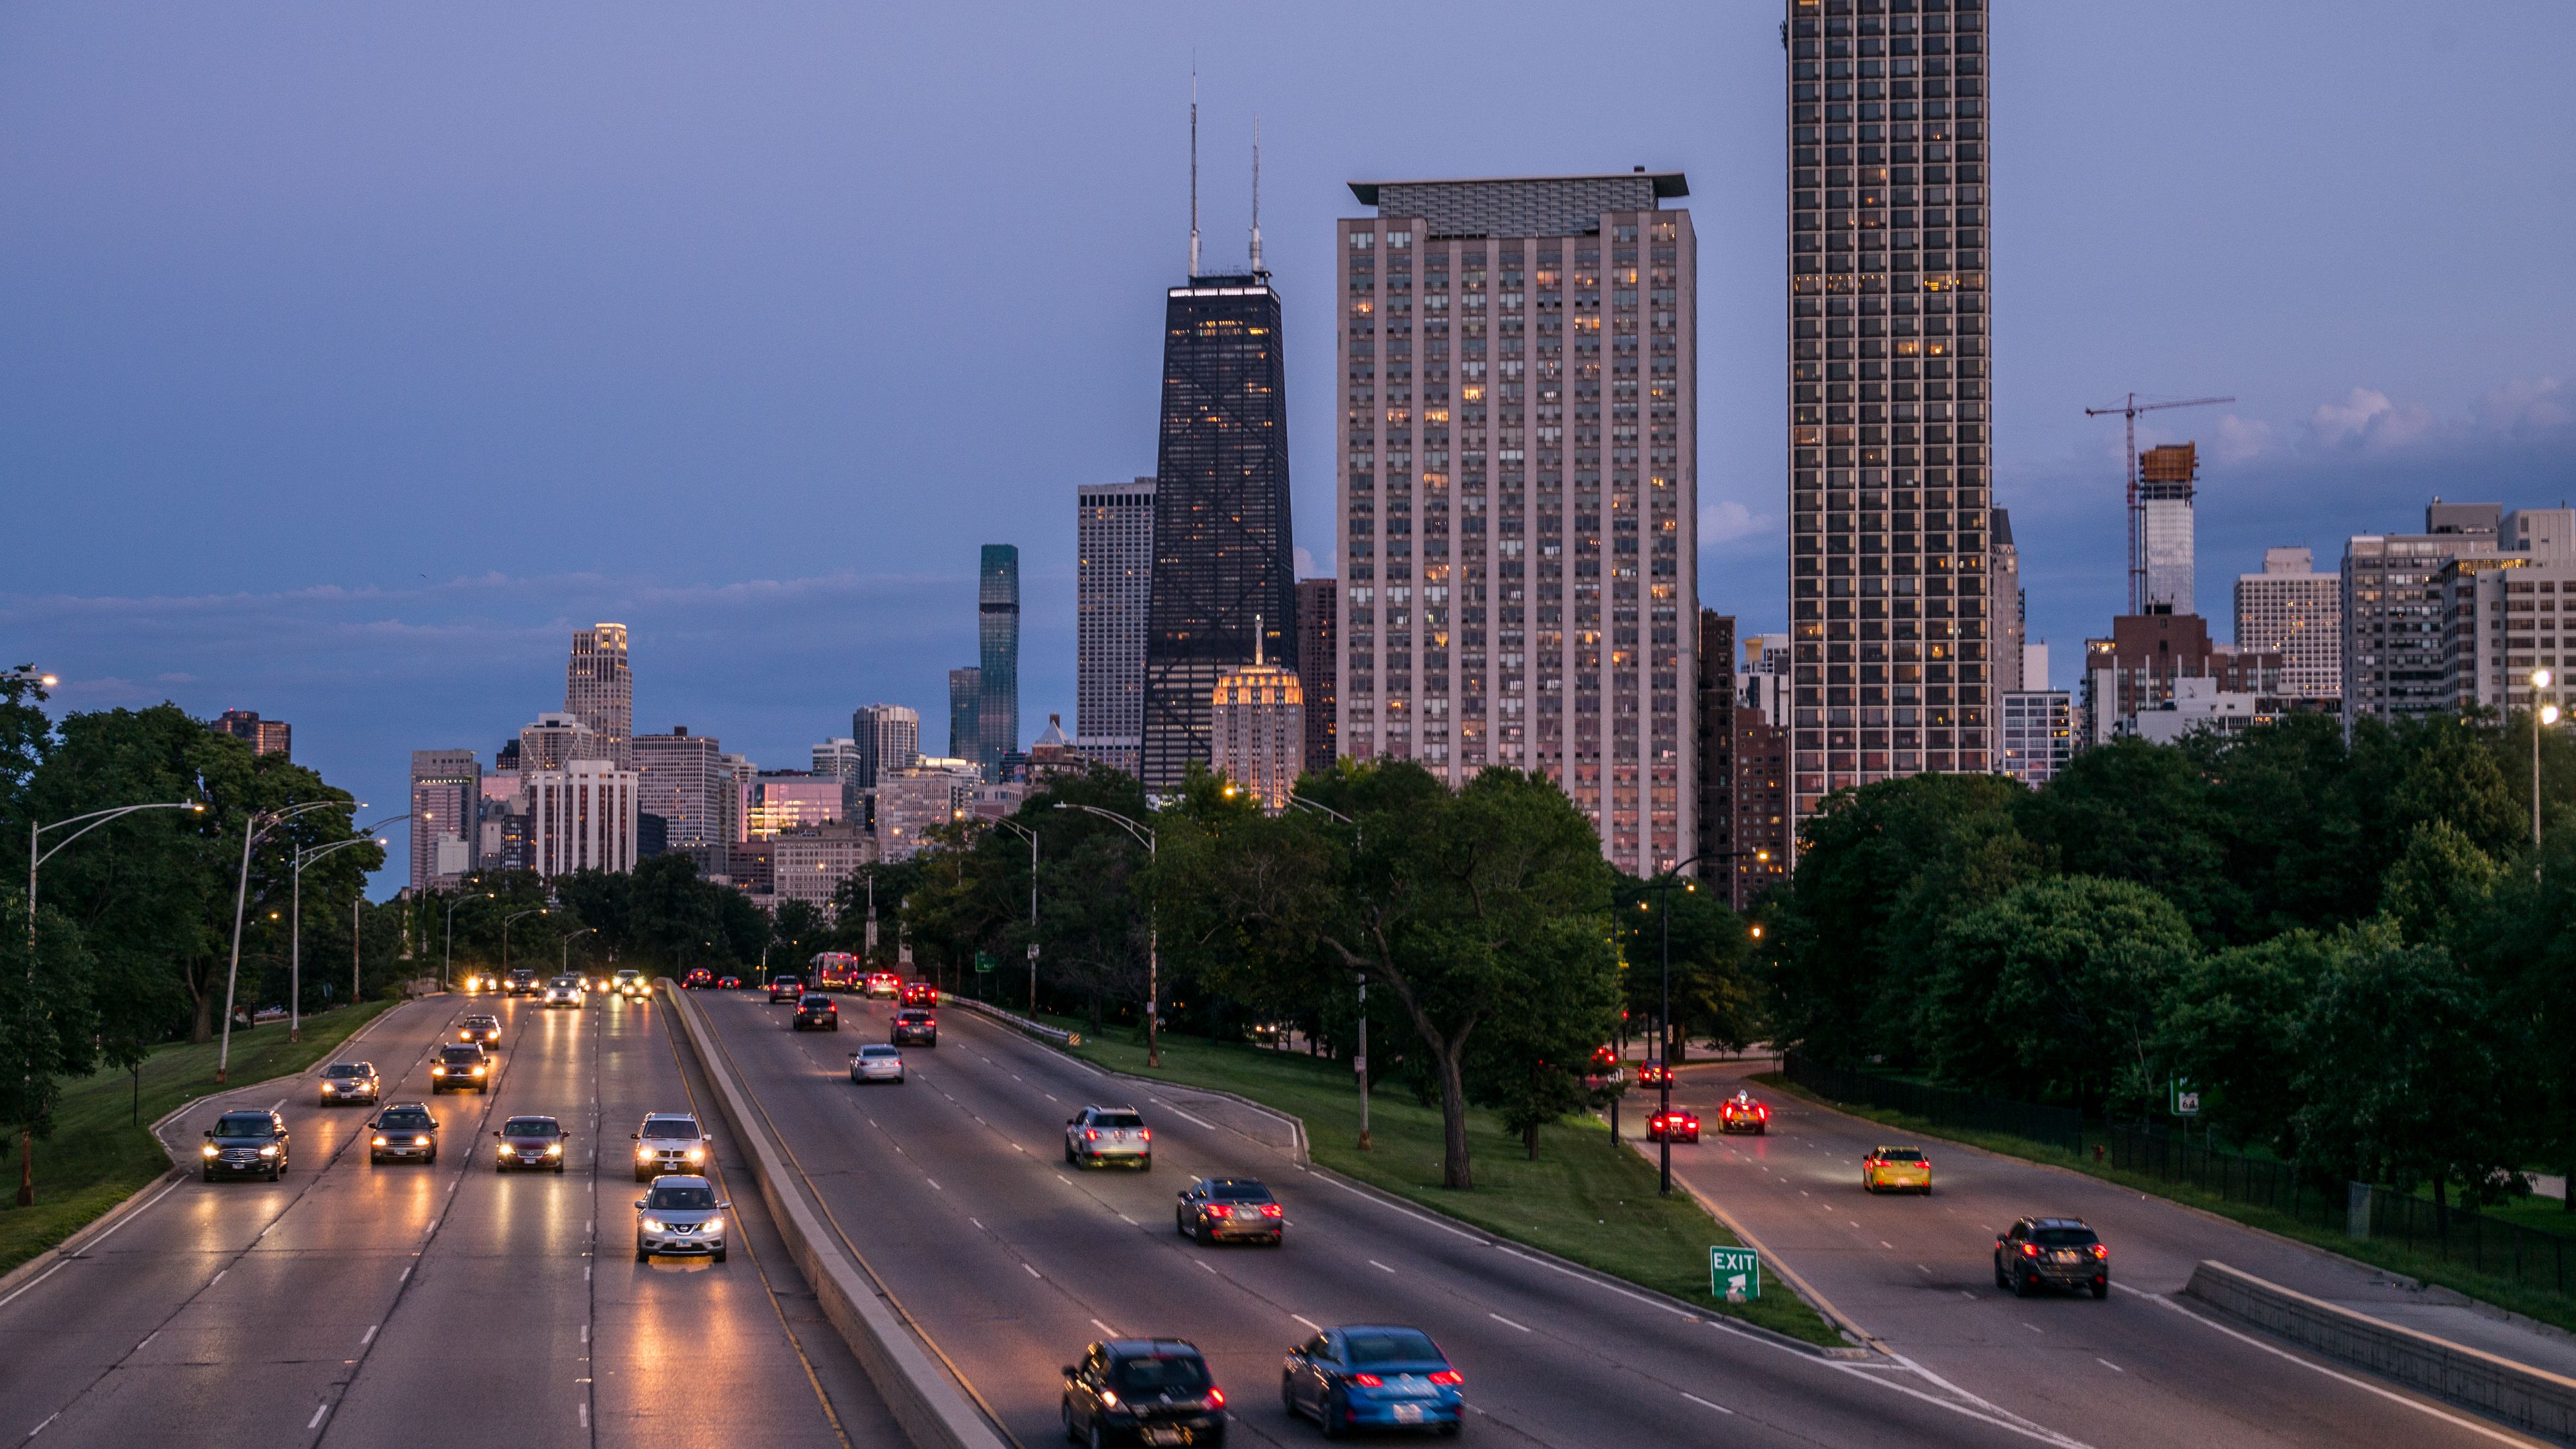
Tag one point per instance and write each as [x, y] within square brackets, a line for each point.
[2532, 1302]
[1657, 1242]
[102, 1149]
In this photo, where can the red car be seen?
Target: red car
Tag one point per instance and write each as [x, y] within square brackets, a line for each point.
[698, 980]
[1740, 1113]
[1674, 1126]
[1653, 1074]
[920, 993]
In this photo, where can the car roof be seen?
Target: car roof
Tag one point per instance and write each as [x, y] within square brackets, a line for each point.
[354, 1066]
[879, 1049]
[1147, 1347]
[1894, 1147]
[406, 1106]
[1103, 1107]
[2057, 1222]
[689, 1117]
[682, 1179]
[532, 1117]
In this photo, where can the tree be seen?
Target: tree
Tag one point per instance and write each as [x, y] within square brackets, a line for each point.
[2439, 882]
[2053, 990]
[2226, 1024]
[2146, 813]
[2402, 1077]
[48, 1023]
[1713, 995]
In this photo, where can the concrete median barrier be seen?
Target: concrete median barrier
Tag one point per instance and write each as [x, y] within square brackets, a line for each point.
[930, 1402]
[2527, 1398]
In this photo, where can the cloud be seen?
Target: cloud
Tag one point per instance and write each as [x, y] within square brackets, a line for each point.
[2523, 407]
[1727, 520]
[1306, 564]
[2241, 440]
[2367, 421]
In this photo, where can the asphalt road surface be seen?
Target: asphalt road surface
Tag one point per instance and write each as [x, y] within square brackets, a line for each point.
[413, 1304]
[954, 1189]
[2144, 1367]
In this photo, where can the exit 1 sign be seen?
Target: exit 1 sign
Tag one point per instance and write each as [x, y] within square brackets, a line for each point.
[1735, 1274]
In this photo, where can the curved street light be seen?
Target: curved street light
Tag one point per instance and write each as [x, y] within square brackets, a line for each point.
[255, 830]
[505, 940]
[2541, 715]
[447, 958]
[1359, 1057]
[565, 967]
[295, 928]
[1153, 932]
[1030, 831]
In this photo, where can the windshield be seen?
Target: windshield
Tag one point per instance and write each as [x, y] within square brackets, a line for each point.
[877, 1051]
[1117, 1119]
[1147, 1375]
[682, 1199]
[244, 1124]
[344, 1069]
[1900, 1154]
[1391, 1345]
[531, 1127]
[817, 1001]
[2062, 1237]
[670, 1127]
[1238, 1192]
[407, 1121]
[458, 1056]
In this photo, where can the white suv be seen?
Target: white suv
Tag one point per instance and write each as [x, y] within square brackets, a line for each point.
[1108, 1134]
[670, 1142]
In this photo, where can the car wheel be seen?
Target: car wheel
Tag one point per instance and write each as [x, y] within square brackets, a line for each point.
[2021, 1285]
[1068, 1152]
[720, 1255]
[559, 1167]
[1065, 1410]
[210, 1174]
[1288, 1395]
[642, 1256]
[273, 1172]
[2102, 1289]
[1762, 1131]
[1099, 1436]
[1328, 1416]
[1145, 1163]
[499, 1167]
[1999, 1272]
[1451, 1429]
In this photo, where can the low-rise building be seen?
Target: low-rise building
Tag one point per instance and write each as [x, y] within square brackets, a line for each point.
[2138, 668]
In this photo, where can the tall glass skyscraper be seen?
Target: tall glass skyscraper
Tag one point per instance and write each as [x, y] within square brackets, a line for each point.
[997, 633]
[965, 713]
[1890, 608]
[1224, 550]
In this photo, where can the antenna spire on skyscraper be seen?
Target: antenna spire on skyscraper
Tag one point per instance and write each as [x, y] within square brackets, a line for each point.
[1194, 169]
[1256, 196]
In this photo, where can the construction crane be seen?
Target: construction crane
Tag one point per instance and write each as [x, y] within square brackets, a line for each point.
[2137, 507]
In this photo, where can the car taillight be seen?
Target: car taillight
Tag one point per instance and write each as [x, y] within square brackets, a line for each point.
[2030, 1250]
[1090, 1134]
[1451, 1377]
[1219, 1210]
[1762, 1112]
[1271, 1210]
[1146, 1133]
[1367, 1381]
[2100, 1252]
[1216, 1397]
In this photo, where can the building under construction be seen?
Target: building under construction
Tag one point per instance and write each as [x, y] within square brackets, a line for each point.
[2165, 478]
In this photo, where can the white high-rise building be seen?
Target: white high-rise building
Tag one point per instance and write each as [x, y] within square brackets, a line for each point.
[681, 778]
[446, 790]
[888, 737]
[600, 692]
[581, 817]
[2291, 607]
[556, 740]
[1518, 491]
[1113, 595]
[2166, 479]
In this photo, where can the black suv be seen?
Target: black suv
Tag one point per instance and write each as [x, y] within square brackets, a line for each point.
[818, 1011]
[461, 1069]
[1143, 1391]
[784, 988]
[523, 982]
[2052, 1252]
[915, 1027]
[242, 1144]
[1213, 1209]
[403, 1132]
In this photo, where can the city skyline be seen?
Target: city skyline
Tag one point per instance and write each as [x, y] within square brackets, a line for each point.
[2341, 431]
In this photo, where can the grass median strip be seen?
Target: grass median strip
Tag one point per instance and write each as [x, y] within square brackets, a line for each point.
[1583, 1199]
[102, 1148]
[2394, 1256]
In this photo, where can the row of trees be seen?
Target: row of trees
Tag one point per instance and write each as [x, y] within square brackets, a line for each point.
[131, 942]
[2348, 945]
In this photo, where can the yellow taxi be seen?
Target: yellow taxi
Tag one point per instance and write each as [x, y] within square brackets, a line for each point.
[1896, 1169]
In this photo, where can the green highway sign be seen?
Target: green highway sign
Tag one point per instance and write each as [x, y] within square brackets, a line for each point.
[983, 961]
[1735, 1274]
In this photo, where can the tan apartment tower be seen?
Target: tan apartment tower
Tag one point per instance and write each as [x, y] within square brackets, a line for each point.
[1891, 609]
[600, 693]
[1257, 729]
[1518, 488]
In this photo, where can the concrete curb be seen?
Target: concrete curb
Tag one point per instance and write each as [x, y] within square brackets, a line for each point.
[932, 1406]
[2527, 1398]
[136, 1200]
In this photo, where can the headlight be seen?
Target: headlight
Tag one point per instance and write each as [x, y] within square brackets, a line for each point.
[508, 1151]
[268, 1151]
[478, 1071]
[420, 1142]
[643, 1154]
[1109, 1398]
[438, 1071]
[697, 1154]
[554, 1149]
[377, 1142]
[652, 1225]
[210, 1149]
[715, 1225]
[328, 1087]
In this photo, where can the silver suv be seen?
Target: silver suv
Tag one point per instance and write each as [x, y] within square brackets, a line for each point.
[680, 1215]
[1108, 1134]
[670, 1142]
[350, 1082]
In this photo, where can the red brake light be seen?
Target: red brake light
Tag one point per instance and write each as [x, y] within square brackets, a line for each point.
[1090, 1134]
[1449, 1376]
[1219, 1210]
[1216, 1397]
[2030, 1250]
[1270, 1210]
[2101, 1252]
[1367, 1381]
[1148, 1134]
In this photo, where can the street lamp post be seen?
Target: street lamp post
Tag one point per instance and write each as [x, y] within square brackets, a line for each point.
[295, 923]
[1032, 834]
[447, 957]
[1153, 933]
[1359, 1055]
[564, 967]
[2541, 714]
[505, 940]
[254, 830]
[95, 819]
[1663, 887]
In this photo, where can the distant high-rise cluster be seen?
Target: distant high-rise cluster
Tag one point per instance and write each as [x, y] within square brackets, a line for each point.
[2459, 616]
[1890, 598]
[565, 795]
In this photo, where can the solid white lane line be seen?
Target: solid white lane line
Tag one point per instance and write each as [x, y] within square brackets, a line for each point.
[1310, 1323]
[1381, 1267]
[318, 1411]
[32, 1282]
[1032, 1272]
[1105, 1328]
[1505, 1322]
[2106, 1363]
[218, 1278]
[368, 1338]
[1131, 1222]
[1705, 1404]
[40, 1428]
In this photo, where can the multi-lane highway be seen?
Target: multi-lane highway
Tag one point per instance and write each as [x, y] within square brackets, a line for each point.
[2144, 1368]
[417, 1305]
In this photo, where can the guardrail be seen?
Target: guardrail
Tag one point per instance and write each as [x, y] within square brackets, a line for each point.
[1941, 1106]
[1034, 1028]
[2525, 1397]
[933, 1409]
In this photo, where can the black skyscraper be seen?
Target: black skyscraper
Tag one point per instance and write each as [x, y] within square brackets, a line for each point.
[1224, 551]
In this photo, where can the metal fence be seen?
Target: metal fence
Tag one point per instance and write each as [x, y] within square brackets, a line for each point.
[2504, 1250]
[1941, 1106]
[2233, 1176]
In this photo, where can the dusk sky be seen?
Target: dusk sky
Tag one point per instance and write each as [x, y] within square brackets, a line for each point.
[351, 357]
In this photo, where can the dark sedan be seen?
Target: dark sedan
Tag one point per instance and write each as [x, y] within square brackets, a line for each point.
[1216, 1209]
[1143, 1391]
[245, 1144]
[914, 1027]
[530, 1143]
[1373, 1376]
[403, 1132]
[2037, 1253]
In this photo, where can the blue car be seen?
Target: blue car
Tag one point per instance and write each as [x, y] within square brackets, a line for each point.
[1373, 1376]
